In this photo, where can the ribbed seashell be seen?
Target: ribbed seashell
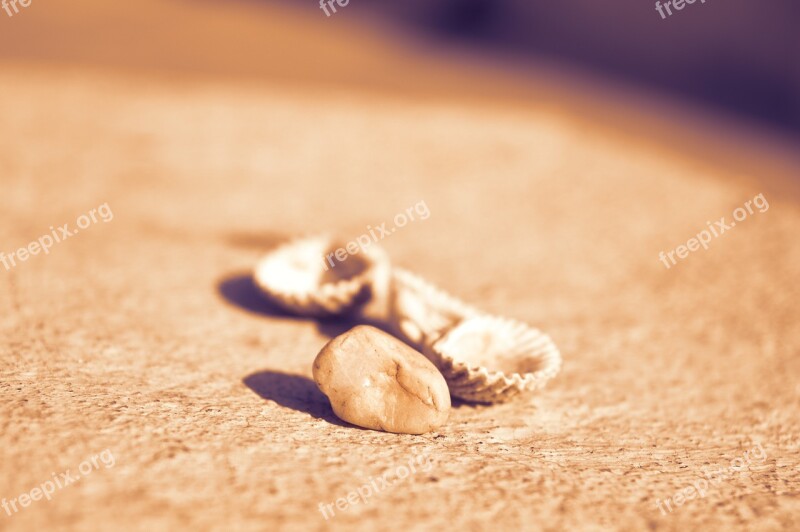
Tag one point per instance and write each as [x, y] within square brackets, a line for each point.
[297, 277]
[420, 312]
[489, 359]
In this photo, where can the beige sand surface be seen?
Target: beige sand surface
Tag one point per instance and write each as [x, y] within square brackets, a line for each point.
[143, 336]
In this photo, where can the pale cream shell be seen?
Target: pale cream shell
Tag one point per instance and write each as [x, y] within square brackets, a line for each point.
[489, 359]
[420, 312]
[297, 277]
[483, 358]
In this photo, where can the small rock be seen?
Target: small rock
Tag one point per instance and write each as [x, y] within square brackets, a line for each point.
[375, 381]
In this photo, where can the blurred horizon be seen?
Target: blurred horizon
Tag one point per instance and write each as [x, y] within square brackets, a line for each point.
[737, 57]
[716, 58]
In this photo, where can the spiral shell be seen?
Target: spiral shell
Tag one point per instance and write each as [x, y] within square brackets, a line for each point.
[489, 359]
[297, 277]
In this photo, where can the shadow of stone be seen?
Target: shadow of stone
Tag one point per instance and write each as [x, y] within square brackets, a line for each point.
[293, 391]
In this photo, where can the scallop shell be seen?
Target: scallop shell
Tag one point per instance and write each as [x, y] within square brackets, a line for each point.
[297, 277]
[484, 358]
[489, 359]
[420, 312]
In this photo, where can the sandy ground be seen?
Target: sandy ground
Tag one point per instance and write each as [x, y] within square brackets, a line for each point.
[142, 335]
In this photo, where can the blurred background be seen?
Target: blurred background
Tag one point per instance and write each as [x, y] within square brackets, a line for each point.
[736, 58]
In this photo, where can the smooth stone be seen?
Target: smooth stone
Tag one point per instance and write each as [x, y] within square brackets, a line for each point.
[375, 381]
